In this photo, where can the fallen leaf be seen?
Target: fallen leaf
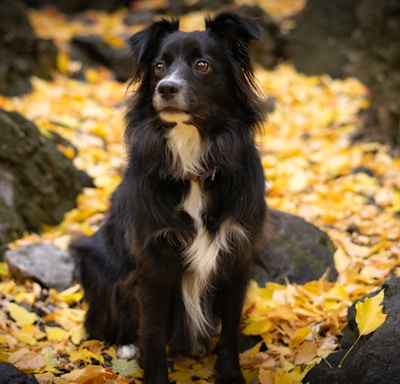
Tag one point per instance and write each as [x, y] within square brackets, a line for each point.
[257, 325]
[369, 315]
[85, 355]
[21, 315]
[24, 337]
[125, 367]
[300, 335]
[50, 357]
[85, 375]
[25, 297]
[77, 334]
[265, 376]
[306, 352]
[56, 334]
[27, 361]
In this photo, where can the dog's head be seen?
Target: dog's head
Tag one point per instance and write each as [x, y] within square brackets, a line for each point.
[195, 76]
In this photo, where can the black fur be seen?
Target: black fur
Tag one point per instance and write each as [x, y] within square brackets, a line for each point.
[132, 268]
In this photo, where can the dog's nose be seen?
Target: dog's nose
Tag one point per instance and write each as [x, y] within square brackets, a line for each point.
[168, 89]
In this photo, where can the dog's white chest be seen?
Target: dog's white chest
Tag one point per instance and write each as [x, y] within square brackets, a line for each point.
[200, 261]
[186, 147]
[194, 203]
[201, 257]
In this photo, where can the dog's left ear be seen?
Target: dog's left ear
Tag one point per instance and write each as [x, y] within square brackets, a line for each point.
[237, 31]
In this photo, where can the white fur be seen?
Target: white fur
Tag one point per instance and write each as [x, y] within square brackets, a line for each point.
[128, 351]
[201, 256]
[201, 259]
[186, 146]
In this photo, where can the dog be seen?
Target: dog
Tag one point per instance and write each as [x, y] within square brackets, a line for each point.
[174, 255]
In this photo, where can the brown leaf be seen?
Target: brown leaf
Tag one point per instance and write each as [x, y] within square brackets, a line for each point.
[27, 361]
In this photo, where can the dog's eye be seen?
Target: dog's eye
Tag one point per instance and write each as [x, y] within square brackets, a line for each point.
[202, 66]
[159, 68]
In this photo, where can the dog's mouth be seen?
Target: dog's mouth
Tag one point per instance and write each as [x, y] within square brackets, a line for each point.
[174, 115]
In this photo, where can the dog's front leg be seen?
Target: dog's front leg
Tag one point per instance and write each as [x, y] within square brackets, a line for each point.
[231, 296]
[154, 298]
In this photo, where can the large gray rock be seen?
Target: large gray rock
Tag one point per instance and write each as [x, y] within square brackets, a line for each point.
[11, 375]
[376, 41]
[43, 262]
[272, 48]
[22, 53]
[320, 43]
[38, 184]
[375, 358]
[94, 51]
[296, 250]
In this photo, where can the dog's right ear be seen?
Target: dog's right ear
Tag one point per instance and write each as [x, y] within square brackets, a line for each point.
[144, 44]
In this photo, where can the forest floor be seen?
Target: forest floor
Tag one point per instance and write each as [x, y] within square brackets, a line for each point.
[351, 191]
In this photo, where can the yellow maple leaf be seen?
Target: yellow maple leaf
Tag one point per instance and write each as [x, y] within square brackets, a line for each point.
[257, 325]
[369, 317]
[21, 315]
[85, 355]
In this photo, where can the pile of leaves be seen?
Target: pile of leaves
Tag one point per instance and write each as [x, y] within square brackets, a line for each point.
[352, 191]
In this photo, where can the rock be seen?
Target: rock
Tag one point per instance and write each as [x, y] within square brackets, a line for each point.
[73, 6]
[273, 45]
[338, 38]
[297, 250]
[42, 262]
[22, 53]
[33, 178]
[93, 51]
[320, 43]
[140, 16]
[376, 41]
[11, 375]
[374, 359]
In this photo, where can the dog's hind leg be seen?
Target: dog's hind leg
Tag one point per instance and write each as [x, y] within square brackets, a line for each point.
[113, 312]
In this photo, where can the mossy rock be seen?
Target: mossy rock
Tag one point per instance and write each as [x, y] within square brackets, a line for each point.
[296, 250]
[38, 184]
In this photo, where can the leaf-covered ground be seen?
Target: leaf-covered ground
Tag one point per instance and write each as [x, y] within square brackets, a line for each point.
[312, 170]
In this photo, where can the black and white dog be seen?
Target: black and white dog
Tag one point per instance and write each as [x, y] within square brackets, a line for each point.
[175, 252]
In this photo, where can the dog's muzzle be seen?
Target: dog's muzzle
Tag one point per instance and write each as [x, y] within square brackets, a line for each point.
[169, 101]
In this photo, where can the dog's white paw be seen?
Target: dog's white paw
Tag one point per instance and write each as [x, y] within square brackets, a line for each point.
[130, 351]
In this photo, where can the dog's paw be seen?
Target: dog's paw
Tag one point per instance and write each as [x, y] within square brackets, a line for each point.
[130, 351]
[230, 378]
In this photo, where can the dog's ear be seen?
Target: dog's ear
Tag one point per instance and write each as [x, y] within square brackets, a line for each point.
[237, 31]
[144, 44]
